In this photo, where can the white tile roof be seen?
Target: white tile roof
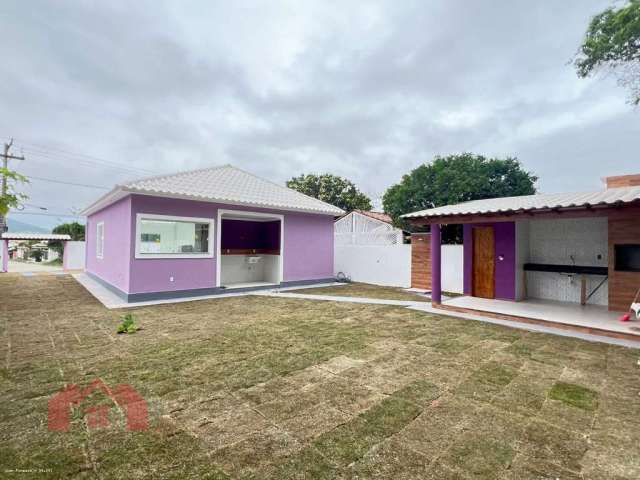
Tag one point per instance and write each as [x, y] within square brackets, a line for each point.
[610, 196]
[34, 236]
[225, 184]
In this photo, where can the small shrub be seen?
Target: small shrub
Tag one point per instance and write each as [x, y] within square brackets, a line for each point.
[128, 324]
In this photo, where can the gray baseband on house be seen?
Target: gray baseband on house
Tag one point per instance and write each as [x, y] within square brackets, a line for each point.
[200, 292]
[196, 292]
[108, 286]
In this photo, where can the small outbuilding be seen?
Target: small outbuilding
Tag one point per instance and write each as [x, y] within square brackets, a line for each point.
[567, 258]
[206, 232]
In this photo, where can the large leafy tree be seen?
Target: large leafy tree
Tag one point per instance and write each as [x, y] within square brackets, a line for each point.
[332, 189]
[612, 43]
[74, 229]
[455, 179]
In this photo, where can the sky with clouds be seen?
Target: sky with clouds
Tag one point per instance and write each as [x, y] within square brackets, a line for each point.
[97, 93]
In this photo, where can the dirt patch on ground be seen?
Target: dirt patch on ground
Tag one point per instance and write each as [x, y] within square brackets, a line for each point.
[262, 387]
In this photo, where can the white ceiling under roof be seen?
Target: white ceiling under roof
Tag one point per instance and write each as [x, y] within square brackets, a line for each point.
[610, 196]
[226, 185]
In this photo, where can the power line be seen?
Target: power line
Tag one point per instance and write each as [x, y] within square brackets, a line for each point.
[39, 148]
[84, 162]
[48, 214]
[68, 183]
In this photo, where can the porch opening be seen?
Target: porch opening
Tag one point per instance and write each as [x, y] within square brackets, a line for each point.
[250, 250]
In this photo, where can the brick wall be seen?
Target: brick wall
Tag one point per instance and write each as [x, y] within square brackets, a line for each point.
[623, 285]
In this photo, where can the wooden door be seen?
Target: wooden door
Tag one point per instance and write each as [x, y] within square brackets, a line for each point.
[421, 261]
[483, 262]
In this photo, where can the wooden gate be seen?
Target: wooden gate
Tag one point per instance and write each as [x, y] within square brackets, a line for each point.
[421, 261]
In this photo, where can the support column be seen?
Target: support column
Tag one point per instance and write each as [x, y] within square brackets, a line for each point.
[436, 286]
[4, 254]
[64, 255]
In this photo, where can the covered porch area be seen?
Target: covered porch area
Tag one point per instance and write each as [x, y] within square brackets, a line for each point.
[569, 261]
[591, 319]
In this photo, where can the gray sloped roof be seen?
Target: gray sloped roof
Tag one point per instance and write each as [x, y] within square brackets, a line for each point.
[225, 184]
[610, 196]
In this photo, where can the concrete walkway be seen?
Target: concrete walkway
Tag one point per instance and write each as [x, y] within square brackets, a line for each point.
[334, 298]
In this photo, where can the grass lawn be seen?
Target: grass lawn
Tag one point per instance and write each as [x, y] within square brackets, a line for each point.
[262, 387]
[365, 290]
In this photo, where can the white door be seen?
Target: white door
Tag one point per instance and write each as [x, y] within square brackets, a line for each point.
[2, 247]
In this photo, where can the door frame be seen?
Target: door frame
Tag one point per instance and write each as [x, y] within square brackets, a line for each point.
[473, 260]
[246, 215]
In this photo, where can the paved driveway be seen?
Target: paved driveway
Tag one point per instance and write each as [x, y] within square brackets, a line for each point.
[32, 267]
[261, 387]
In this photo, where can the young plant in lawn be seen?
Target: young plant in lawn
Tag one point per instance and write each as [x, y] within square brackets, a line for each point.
[128, 324]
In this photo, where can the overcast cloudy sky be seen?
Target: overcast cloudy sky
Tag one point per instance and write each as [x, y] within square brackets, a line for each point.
[367, 90]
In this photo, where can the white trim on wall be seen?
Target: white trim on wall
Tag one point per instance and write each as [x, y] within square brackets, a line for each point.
[100, 240]
[240, 215]
[153, 256]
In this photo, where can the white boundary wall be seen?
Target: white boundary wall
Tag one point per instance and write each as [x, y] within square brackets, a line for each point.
[452, 275]
[74, 255]
[378, 264]
[390, 265]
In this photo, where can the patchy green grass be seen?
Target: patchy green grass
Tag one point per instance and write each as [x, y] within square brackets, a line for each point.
[278, 388]
[366, 290]
[574, 395]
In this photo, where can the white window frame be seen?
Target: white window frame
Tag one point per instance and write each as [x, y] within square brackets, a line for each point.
[247, 215]
[100, 240]
[153, 256]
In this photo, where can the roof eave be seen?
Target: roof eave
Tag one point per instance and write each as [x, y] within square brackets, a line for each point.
[596, 209]
[121, 191]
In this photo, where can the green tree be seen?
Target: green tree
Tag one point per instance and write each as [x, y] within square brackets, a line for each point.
[454, 179]
[612, 42]
[12, 198]
[332, 189]
[74, 229]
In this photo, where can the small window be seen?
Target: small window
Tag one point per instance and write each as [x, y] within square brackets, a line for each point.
[160, 236]
[627, 258]
[100, 240]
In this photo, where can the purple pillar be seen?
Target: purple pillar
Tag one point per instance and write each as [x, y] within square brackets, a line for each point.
[4, 245]
[436, 287]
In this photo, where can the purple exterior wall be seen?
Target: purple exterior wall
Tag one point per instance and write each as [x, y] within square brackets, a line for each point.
[4, 245]
[152, 275]
[113, 268]
[308, 247]
[505, 246]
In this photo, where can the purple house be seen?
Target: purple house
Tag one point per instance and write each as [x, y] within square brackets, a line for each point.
[206, 232]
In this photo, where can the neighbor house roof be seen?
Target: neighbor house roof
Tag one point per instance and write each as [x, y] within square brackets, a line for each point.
[383, 217]
[225, 184]
[528, 203]
[35, 236]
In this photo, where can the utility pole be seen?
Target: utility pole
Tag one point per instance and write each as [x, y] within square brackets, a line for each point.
[5, 164]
